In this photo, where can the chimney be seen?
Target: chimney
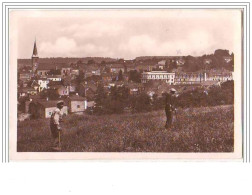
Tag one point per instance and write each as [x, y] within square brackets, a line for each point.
[77, 94]
[47, 98]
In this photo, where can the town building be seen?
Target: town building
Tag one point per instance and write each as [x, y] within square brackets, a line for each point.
[115, 68]
[180, 62]
[189, 78]
[76, 103]
[22, 92]
[135, 88]
[25, 75]
[227, 59]
[219, 76]
[158, 75]
[54, 77]
[42, 84]
[43, 69]
[45, 108]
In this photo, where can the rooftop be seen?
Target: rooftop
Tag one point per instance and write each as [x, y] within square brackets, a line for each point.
[76, 98]
[49, 103]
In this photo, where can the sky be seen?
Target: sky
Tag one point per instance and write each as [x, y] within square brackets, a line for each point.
[125, 33]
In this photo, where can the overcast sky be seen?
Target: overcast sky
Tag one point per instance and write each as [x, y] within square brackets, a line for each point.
[125, 33]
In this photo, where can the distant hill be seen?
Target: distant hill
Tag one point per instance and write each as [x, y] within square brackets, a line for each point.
[27, 62]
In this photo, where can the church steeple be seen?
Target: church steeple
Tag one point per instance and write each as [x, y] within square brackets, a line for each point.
[34, 58]
[35, 51]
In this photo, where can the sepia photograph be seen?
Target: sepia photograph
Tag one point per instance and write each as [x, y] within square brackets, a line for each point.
[128, 82]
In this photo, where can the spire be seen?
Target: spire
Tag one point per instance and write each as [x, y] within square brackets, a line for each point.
[35, 51]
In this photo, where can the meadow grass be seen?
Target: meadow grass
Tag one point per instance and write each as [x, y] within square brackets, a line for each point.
[203, 129]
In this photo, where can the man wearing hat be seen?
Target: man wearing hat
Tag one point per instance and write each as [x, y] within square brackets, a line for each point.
[169, 107]
[56, 119]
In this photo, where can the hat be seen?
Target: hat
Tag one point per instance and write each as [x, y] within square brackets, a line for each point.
[60, 102]
[173, 90]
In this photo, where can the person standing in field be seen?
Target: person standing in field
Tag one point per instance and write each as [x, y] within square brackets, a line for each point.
[169, 107]
[55, 121]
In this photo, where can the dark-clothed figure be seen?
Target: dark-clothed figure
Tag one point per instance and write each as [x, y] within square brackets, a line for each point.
[56, 119]
[169, 108]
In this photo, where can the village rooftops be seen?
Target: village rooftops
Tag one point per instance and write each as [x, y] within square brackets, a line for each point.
[26, 89]
[45, 66]
[76, 98]
[53, 76]
[158, 72]
[49, 103]
[50, 66]
[55, 83]
[116, 66]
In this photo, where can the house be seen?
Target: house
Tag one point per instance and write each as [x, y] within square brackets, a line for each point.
[76, 103]
[45, 108]
[88, 90]
[180, 62]
[143, 67]
[162, 62]
[129, 67]
[44, 68]
[115, 68]
[227, 59]
[96, 72]
[65, 70]
[62, 90]
[207, 61]
[158, 75]
[27, 91]
[25, 75]
[54, 77]
[90, 104]
[35, 85]
[135, 88]
[75, 73]
[107, 77]
[43, 82]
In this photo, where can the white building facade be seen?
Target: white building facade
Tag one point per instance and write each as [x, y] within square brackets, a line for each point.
[158, 75]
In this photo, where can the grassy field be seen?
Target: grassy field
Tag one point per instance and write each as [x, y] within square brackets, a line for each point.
[195, 130]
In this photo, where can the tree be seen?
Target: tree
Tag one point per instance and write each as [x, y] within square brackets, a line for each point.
[134, 76]
[91, 61]
[171, 65]
[120, 76]
[80, 78]
[100, 96]
[54, 72]
[192, 64]
[221, 52]
[49, 93]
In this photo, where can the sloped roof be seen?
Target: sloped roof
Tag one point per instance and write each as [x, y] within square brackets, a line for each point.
[116, 66]
[76, 98]
[49, 103]
[50, 66]
[55, 83]
[45, 66]
[26, 89]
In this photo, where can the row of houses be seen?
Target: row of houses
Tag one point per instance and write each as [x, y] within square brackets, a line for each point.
[43, 108]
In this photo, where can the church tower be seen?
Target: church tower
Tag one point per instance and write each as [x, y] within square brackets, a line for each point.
[34, 58]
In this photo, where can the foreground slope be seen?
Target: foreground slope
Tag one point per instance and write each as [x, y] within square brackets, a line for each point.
[195, 130]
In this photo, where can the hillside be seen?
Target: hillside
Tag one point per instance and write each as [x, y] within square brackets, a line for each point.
[195, 130]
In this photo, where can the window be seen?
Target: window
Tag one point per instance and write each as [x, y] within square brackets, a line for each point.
[50, 113]
[78, 106]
